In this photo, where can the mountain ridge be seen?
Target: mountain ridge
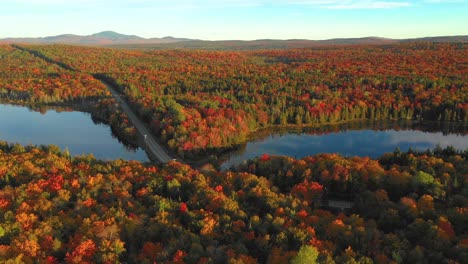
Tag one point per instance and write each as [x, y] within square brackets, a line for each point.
[112, 38]
[101, 38]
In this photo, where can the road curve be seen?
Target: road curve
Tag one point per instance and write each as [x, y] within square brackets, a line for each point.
[151, 144]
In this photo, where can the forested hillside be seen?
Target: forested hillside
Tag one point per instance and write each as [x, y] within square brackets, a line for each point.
[409, 208]
[406, 207]
[203, 102]
[27, 79]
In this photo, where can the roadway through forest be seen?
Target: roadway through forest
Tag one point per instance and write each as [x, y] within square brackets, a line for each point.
[151, 144]
[339, 204]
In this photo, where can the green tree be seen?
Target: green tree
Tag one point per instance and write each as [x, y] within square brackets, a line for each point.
[306, 255]
[421, 181]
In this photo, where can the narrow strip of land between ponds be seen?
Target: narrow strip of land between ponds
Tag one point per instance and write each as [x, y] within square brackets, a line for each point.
[151, 144]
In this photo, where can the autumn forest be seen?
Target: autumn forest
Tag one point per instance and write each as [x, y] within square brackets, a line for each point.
[403, 207]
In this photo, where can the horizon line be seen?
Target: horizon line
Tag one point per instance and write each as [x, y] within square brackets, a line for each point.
[279, 39]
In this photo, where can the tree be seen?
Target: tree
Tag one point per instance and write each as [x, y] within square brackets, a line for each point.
[307, 254]
[422, 180]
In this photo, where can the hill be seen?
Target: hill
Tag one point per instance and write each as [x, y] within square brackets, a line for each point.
[283, 44]
[98, 39]
[118, 40]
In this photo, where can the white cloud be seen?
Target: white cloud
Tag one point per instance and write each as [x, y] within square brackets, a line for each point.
[372, 5]
[219, 4]
[353, 4]
[325, 4]
[445, 1]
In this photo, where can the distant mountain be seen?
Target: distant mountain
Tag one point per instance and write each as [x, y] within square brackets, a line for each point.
[101, 38]
[284, 44]
[115, 36]
[357, 41]
[111, 38]
[450, 39]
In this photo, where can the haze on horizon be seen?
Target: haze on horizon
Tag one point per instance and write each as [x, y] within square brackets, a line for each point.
[237, 19]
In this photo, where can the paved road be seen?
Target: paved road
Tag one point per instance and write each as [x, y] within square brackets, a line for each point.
[338, 204]
[151, 144]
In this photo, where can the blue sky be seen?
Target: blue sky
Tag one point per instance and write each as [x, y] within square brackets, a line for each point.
[236, 19]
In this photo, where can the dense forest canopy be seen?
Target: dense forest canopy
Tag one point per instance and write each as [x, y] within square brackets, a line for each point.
[25, 78]
[204, 101]
[409, 207]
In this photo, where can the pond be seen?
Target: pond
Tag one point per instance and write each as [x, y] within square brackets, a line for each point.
[70, 130]
[353, 139]
[77, 132]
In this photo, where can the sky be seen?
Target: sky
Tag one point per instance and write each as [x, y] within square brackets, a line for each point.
[236, 19]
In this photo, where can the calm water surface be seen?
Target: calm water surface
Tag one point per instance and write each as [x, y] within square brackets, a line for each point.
[73, 130]
[363, 142]
[77, 132]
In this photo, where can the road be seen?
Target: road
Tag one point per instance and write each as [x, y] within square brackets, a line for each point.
[151, 143]
[338, 204]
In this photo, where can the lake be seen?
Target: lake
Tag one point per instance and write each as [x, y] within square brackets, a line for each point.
[81, 135]
[354, 139]
[66, 129]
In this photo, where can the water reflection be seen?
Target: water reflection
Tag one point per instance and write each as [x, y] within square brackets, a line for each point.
[73, 130]
[365, 139]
